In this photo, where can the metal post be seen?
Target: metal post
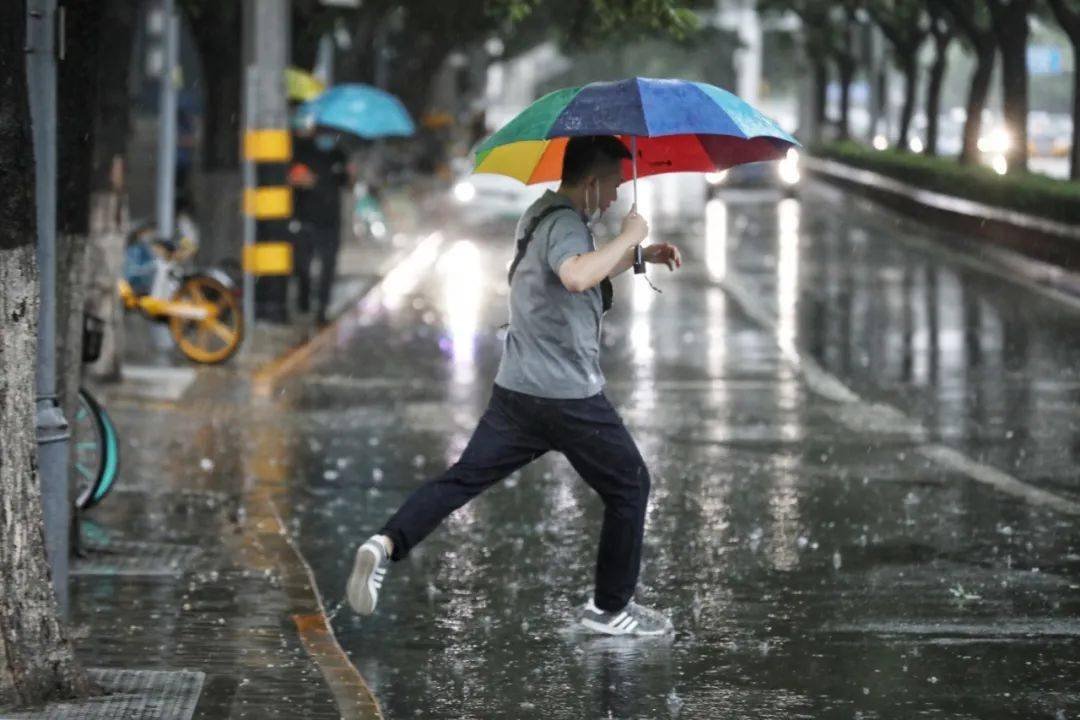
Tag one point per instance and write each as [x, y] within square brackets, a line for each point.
[251, 79]
[52, 427]
[749, 55]
[267, 30]
[166, 150]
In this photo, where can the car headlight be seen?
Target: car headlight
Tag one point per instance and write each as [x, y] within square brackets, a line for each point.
[788, 168]
[464, 191]
[715, 178]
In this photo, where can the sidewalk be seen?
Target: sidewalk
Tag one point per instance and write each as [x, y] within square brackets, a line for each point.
[191, 600]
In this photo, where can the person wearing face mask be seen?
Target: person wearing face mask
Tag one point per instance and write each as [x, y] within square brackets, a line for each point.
[548, 392]
[318, 174]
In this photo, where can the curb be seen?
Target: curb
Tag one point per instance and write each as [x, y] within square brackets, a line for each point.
[265, 377]
[1044, 250]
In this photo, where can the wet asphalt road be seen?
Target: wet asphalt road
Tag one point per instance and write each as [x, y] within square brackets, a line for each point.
[863, 456]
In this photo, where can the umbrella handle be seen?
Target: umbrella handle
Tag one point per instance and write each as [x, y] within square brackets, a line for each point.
[639, 256]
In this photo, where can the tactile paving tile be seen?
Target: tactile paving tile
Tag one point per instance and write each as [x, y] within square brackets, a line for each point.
[129, 695]
[128, 557]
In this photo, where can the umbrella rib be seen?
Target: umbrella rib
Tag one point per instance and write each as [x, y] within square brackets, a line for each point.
[641, 104]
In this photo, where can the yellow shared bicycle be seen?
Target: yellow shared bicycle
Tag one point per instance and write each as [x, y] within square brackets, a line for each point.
[200, 306]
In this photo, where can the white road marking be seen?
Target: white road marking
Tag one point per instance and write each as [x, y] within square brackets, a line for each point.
[827, 385]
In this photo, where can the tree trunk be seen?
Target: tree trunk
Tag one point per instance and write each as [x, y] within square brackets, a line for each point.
[107, 207]
[933, 92]
[820, 88]
[846, 69]
[217, 30]
[1069, 20]
[1011, 29]
[108, 223]
[1015, 94]
[911, 79]
[37, 662]
[1074, 151]
[980, 88]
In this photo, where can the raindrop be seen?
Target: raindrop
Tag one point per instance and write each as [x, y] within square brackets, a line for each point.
[419, 461]
[377, 475]
[342, 463]
[837, 561]
[206, 464]
[802, 542]
[674, 704]
[330, 475]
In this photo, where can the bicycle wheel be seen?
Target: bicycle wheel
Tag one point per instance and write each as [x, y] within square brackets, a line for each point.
[97, 452]
[217, 337]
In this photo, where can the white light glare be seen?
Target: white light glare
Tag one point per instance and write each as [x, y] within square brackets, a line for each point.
[464, 191]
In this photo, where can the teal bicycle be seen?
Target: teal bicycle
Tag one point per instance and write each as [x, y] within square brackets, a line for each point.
[96, 449]
[97, 452]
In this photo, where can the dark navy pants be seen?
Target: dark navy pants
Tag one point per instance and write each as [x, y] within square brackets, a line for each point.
[515, 430]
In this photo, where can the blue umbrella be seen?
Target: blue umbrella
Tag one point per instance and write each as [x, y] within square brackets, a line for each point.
[358, 109]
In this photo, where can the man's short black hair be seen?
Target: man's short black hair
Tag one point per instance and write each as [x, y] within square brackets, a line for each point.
[587, 153]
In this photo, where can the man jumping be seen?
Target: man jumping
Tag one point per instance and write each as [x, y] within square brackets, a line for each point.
[548, 392]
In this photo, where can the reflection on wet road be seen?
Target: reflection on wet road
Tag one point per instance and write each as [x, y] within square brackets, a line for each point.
[864, 488]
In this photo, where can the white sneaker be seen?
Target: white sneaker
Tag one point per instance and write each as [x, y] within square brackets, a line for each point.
[368, 573]
[631, 620]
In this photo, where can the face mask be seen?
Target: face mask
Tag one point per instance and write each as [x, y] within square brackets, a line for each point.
[591, 216]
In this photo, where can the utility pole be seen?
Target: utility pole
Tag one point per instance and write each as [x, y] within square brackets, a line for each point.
[268, 260]
[748, 57]
[43, 28]
[166, 26]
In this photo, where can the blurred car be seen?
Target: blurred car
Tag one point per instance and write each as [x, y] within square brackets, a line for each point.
[494, 197]
[784, 175]
[488, 197]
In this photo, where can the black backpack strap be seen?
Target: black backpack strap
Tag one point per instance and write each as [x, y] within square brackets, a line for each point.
[526, 238]
[606, 290]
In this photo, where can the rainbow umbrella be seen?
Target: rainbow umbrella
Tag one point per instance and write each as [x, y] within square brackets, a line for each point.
[676, 126]
[668, 125]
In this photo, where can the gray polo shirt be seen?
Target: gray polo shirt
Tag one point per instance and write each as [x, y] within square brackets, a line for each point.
[552, 347]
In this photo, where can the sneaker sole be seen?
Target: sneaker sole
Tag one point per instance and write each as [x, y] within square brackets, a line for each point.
[615, 632]
[358, 590]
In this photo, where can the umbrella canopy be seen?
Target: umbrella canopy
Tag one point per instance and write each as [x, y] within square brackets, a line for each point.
[358, 109]
[676, 126]
[302, 86]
